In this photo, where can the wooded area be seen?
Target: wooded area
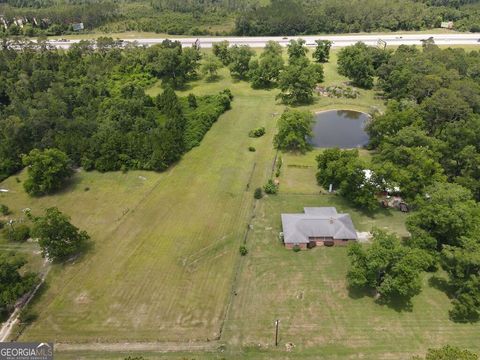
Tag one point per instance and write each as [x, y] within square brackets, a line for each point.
[243, 17]
[91, 105]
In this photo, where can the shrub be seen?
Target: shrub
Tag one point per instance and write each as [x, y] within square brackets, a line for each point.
[258, 193]
[243, 250]
[27, 316]
[18, 180]
[86, 189]
[296, 248]
[2, 224]
[4, 210]
[270, 187]
[252, 149]
[258, 132]
[201, 118]
[18, 233]
[228, 93]
[278, 166]
[192, 101]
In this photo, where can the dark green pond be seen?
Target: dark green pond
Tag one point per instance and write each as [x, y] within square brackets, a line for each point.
[340, 128]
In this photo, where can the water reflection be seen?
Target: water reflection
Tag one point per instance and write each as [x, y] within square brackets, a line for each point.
[340, 128]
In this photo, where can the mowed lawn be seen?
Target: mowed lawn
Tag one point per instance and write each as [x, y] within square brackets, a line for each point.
[164, 248]
[307, 292]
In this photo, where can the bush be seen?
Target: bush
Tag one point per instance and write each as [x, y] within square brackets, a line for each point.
[243, 250]
[192, 101]
[4, 210]
[228, 93]
[201, 118]
[18, 233]
[296, 248]
[252, 149]
[258, 132]
[258, 193]
[27, 316]
[270, 187]
[2, 224]
[278, 166]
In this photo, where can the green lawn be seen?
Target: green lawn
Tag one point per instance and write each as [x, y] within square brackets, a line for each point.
[165, 254]
[308, 293]
[164, 248]
[299, 170]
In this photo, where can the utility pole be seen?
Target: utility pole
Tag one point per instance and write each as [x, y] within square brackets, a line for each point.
[276, 331]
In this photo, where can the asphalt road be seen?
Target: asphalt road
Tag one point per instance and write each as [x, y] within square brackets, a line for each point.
[338, 40]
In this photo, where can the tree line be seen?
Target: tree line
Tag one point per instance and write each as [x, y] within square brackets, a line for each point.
[291, 17]
[242, 17]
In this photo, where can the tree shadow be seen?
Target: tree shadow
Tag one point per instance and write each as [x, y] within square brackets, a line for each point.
[185, 87]
[440, 283]
[359, 293]
[70, 185]
[213, 78]
[398, 304]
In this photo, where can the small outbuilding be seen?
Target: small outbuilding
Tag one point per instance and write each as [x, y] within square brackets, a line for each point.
[317, 226]
[446, 25]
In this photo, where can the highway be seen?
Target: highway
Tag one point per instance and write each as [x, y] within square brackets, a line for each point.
[338, 40]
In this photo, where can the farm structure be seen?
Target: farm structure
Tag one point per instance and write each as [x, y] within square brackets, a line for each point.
[317, 226]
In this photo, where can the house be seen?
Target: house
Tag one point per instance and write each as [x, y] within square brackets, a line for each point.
[317, 226]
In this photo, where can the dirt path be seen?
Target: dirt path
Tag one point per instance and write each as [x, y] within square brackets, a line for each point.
[139, 346]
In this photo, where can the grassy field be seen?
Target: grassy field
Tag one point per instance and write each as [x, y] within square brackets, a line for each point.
[164, 250]
[165, 255]
[308, 293]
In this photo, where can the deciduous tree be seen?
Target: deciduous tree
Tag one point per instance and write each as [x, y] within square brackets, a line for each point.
[322, 51]
[294, 129]
[47, 171]
[57, 237]
[355, 62]
[387, 267]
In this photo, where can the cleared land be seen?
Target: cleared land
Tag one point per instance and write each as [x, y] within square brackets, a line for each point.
[307, 292]
[166, 249]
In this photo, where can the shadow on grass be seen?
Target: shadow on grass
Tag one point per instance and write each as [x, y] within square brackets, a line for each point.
[213, 79]
[185, 87]
[70, 185]
[441, 284]
[397, 304]
[358, 293]
[85, 250]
